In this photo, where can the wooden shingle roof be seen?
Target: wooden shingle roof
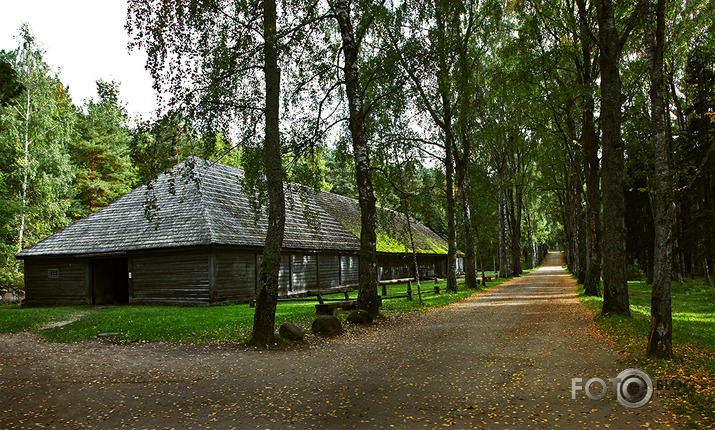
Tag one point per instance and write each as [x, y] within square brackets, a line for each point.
[202, 203]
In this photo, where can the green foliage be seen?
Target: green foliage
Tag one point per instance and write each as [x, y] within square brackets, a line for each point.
[634, 272]
[100, 152]
[340, 171]
[10, 279]
[10, 85]
[697, 171]
[158, 145]
[36, 173]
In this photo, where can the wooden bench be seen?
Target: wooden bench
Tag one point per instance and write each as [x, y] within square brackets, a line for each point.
[397, 281]
[331, 308]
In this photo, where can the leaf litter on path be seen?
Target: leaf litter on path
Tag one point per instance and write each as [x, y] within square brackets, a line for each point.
[503, 358]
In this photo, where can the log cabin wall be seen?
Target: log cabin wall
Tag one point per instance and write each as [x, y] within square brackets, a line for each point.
[57, 281]
[234, 275]
[328, 270]
[207, 275]
[399, 266]
[171, 277]
[302, 272]
[349, 269]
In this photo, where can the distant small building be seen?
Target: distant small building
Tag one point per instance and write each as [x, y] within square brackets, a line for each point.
[193, 237]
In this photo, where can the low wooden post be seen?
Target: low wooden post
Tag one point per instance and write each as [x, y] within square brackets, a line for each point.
[384, 289]
[436, 288]
[409, 289]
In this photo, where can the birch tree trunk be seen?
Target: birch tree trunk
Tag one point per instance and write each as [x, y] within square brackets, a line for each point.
[368, 299]
[451, 209]
[267, 294]
[513, 216]
[25, 179]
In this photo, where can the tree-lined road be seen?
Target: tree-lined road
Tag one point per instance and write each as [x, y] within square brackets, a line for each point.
[503, 358]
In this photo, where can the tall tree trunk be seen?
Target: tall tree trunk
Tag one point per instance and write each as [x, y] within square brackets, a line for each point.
[443, 88]
[514, 218]
[451, 216]
[368, 299]
[267, 295]
[580, 232]
[475, 229]
[591, 167]
[533, 252]
[615, 287]
[503, 236]
[25, 180]
[592, 282]
[575, 193]
[470, 278]
[660, 338]
[415, 264]
[567, 220]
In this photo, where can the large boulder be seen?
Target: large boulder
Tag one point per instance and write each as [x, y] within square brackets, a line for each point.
[11, 296]
[360, 316]
[290, 332]
[327, 325]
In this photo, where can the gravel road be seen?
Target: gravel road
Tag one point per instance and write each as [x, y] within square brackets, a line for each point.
[502, 359]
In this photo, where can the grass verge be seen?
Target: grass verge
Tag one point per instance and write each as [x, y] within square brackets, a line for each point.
[693, 306]
[14, 318]
[194, 324]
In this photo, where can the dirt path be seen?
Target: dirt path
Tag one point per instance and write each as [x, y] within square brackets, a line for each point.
[501, 359]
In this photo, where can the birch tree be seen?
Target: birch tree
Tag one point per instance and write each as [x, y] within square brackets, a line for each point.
[36, 129]
[352, 38]
[218, 62]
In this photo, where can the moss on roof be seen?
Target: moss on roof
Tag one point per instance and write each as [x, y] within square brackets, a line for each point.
[392, 234]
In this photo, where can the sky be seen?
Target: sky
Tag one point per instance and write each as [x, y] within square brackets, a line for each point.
[84, 40]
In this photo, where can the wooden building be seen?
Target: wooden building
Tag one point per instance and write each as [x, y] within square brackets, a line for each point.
[193, 237]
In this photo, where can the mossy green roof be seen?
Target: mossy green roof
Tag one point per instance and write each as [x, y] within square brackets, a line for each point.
[392, 232]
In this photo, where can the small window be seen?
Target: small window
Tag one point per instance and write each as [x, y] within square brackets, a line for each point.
[53, 273]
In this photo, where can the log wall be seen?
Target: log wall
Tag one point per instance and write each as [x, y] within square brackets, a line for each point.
[176, 277]
[57, 281]
[207, 275]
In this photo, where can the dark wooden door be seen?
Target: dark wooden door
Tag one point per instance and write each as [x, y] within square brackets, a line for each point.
[110, 281]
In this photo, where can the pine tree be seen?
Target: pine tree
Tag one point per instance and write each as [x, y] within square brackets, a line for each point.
[100, 152]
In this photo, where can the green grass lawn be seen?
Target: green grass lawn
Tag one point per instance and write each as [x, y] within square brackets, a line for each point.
[693, 306]
[14, 318]
[193, 324]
